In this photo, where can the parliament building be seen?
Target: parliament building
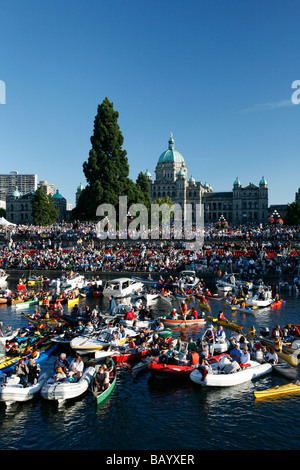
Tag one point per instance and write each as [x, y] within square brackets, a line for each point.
[243, 204]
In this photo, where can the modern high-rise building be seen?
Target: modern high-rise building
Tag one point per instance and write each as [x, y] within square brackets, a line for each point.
[25, 183]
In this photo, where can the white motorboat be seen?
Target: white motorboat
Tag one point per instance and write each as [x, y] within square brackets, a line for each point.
[3, 277]
[121, 287]
[139, 323]
[65, 389]
[221, 374]
[68, 284]
[12, 391]
[99, 341]
[187, 280]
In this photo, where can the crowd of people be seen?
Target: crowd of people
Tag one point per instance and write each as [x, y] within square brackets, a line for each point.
[247, 250]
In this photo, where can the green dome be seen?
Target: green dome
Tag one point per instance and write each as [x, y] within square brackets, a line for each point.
[80, 186]
[171, 155]
[237, 182]
[57, 195]
[192, 180]
[16, 193]
[147, 173]
[263, 181]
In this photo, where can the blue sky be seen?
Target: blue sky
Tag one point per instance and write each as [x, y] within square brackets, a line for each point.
[217, 74]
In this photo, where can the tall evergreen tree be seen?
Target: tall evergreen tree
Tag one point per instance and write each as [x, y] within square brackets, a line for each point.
[143, 188]
[43, 210]
[107, 168]
[293, 214]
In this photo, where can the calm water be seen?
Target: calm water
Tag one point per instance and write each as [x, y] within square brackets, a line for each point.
[144, 413]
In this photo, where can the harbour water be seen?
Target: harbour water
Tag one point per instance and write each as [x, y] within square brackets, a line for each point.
[145, 413]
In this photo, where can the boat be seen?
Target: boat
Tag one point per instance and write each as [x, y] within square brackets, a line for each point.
[181, 322]
[179, 372]
[219, 377]
[139, 323]
[212, 296]
[166, 297]
[35, 280]
[121, 287]
[278, 390]
[277, 303]
[285, 370]
[141, 365]
[71, 302]
[3, 277]
[290, 355]
[187, 280]
[65, 389]
[98, 341]
[101, 395]
[12, 391]
[9, 335]
[225, 324]
[27, 303]
[125, 355]
[8, 365]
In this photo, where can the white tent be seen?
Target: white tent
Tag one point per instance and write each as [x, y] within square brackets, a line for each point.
[4, 222]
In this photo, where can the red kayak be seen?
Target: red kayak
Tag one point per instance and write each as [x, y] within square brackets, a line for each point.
[277, 304]
[129, 356]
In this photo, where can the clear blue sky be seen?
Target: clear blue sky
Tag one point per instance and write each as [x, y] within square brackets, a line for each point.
[217, 74]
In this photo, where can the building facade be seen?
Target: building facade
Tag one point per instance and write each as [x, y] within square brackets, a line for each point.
[26, 183]
[243, 204]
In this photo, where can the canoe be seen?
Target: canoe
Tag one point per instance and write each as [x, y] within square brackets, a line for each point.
[27, 303]
[181, 322]
[141, 365]
[213, 296]
[219, 378]
[230, 325]
[12, 391]
[180, 372]
[100, 396]
[65, 389]
[278, 390]
[285, 370]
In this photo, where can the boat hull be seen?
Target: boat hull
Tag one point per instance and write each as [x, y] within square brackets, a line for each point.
[12, 391]
[61, 391]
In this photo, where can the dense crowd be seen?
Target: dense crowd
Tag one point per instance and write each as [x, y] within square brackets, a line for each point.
[253, 250]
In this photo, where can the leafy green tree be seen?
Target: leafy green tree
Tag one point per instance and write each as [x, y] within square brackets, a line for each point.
[293, 214]
[143, 189]
[43, 210]
[107, 169]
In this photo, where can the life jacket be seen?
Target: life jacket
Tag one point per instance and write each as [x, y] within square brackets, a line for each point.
[194, 359]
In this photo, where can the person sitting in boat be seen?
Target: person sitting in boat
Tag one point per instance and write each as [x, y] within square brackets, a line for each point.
[209, 334]
[26, 352]
[293, 330]
[15, 350]
[277, 332]
[236, 353]
[271, 356]
[220, 336]
[160, 327]
[75, 310]
[76, 367]
[221, 317]
[192, 345]
[60, 375]
[130, 315]
[140, 339]
[88, 329]
[34, 371]
[193, 358]
[194, 314]
[115, 342]
[173, 361]
[163, 358]
[109, 363]
[173, 314]
[21, 370]
[142, 347]
[62, 362]
[245, 357]
[234, 301]
[102, 378]
[36, 315]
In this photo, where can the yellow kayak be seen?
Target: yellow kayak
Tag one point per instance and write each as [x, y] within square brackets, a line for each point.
[231, 325]
[71, 302]
[279, 390]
